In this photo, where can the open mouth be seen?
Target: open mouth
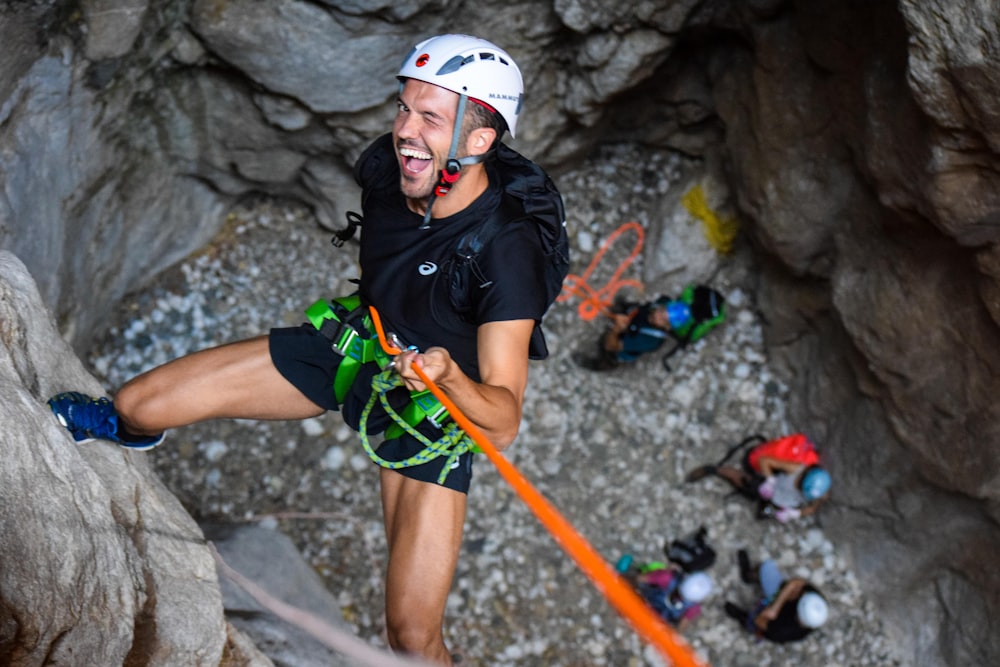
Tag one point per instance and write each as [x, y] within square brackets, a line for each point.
[412, 160]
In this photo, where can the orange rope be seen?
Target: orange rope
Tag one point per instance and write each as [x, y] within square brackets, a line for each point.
[596, 302]
[621, 596]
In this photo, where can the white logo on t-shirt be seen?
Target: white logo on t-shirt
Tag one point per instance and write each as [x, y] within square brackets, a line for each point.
[427, 268]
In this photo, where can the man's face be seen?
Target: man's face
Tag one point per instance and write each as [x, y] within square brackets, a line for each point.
[658, 317]
[422, 135]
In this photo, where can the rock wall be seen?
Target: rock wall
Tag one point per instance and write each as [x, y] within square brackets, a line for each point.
[856, 139]
[857, 146]
[100, 563]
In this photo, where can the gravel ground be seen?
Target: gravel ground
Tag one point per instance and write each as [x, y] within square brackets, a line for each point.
[608, 449]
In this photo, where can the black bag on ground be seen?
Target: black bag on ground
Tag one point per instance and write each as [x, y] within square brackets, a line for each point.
[692, 553]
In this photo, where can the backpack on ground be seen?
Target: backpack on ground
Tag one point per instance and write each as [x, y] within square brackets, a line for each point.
[691, 553]
[708, 310]
[794, 448]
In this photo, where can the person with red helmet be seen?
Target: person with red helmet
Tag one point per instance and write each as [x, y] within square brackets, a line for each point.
[426, 186]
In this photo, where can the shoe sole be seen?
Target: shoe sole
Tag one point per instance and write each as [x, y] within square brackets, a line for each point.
[123, 445]
[140, 448]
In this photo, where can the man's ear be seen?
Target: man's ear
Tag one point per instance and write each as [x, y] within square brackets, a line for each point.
[480, 140]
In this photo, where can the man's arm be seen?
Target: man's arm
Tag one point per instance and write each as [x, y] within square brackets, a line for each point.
[789, 590]
[769, 466]
[807, 510]
[619, 322]
[494, 405]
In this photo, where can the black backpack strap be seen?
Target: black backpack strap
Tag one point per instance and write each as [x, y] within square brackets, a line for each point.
[472, 244]
[466, 276]
[375, 167]
[757, 437]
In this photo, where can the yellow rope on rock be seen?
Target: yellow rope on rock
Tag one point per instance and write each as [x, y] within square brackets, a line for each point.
[720, 231]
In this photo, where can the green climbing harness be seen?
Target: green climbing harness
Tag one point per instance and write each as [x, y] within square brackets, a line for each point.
[348, 327]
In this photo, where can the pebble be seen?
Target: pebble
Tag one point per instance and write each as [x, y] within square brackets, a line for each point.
[313, 427]
[214, 450]
[334, 458]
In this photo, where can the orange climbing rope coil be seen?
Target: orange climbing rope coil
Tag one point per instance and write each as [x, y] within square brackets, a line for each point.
[621, 596]
[596, 301]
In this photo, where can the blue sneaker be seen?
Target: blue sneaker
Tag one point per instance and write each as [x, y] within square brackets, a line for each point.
[89, 419]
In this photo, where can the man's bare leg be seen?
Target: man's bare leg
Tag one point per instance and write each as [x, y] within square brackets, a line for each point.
[738, 479]
[237, 380]
[423, 524]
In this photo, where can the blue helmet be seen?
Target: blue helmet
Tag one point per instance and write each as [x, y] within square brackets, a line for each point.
[679, 314]
[815, 483]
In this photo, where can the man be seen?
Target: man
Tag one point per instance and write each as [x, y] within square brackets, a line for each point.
[641, 329]
[790, 609]
[425, 186]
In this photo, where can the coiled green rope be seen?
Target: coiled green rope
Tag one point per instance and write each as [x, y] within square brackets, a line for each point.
[453, 443]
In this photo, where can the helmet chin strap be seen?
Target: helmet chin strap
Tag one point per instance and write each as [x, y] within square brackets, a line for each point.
[448, 176]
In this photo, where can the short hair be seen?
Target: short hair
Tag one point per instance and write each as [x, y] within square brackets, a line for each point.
[478, 115]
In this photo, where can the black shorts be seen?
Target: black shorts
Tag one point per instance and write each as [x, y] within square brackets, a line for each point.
[304, 357]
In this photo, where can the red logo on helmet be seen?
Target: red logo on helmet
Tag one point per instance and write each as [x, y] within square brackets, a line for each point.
[422, 59]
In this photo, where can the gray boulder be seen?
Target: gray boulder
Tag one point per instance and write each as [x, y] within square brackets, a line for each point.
[271, 561]
[99, 563]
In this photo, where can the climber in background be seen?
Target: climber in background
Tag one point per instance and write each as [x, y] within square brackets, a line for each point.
[675, 590]
[783, 475]
[789, 610]
[637, 329]
[671, 592]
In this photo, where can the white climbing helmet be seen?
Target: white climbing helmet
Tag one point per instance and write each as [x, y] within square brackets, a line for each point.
[812, 610]
[696, 587]
[469, 66]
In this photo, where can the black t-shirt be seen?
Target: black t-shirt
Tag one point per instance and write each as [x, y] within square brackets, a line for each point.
[786, 627]
[404, 268]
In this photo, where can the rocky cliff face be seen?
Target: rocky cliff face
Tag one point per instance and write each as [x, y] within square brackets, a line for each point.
[857, 141]
[101, 565]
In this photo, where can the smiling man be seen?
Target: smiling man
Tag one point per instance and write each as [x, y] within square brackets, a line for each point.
[467, 304]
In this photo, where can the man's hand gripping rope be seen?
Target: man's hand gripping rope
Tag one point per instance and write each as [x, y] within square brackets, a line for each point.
[621, 596]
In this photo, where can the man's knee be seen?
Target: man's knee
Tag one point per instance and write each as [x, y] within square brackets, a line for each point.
[134, 406]
[413, 633]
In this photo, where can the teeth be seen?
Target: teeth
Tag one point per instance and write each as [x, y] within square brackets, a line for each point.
[410, 152]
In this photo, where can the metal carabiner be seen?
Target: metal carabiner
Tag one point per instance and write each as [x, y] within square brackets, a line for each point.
[398, 343]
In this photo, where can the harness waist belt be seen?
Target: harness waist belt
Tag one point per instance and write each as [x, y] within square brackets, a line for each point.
[348, 327]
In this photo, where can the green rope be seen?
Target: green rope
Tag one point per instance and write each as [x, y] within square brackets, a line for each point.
[453, 443]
